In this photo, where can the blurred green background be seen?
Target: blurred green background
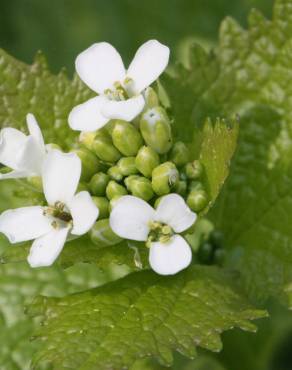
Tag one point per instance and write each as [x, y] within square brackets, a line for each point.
[63, 28]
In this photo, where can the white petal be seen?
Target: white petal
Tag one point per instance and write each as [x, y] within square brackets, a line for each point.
[100, 66]
[35, 131]
[46, 249]
[150, 61]
[24, 224]
[171, 257]
[11, 146]
[126, 110]
[61, 173]
[173, 211]
[87, 116]
[130, 218]
[32, 157]
[83, 211]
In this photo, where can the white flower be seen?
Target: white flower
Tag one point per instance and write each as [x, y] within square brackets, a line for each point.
[22, 153]
[133, 218]
[120, 91]
[66, 213]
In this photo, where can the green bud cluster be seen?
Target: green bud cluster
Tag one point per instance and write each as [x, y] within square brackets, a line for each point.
[139, 158]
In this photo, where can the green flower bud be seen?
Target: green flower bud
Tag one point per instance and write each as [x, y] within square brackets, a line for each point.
[140, 187]
[151, 98]
[219, 256]
[129, 179]
[90, 163]
[102, 204]
[195, 185]
[82, 186]
[157, 201]
[36, 183]
[126, 138]
[217, 238]
[103, 147]
[181, 187]
[113, 202]
[115, 173]
[146, 160]
[86, 139]
[98, 183]
[164, 178]
[194, 170]
[197, 200]
[102, 235]
[127, 166]
[155, 129]
[114, 189]
[180, 154]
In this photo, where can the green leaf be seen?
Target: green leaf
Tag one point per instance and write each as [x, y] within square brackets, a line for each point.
[140, 316]
[33, 89]
[249, 74]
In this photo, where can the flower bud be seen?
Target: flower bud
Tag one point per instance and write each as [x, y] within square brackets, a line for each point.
[102, 204]
[180, 154]
[126, 138]
[157, 201]
[146, 160]
[98, 183]
[151, 98]
[102, 235]
[181, 187]
[87, 138]
[197, 200]
[90, 163]
[103, 147]
[156, 130]
[115, 173]
[36, 183]
[82, 186]
[113, 202]
[205, 253]
[164, 178]
[127, 166]
[194, 170]
[195, 185]
[114, 189]
[140, 187]
[219, 256]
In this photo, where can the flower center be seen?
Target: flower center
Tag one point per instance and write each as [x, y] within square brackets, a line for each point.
[59, 212]
[159, 232]
[121, 91]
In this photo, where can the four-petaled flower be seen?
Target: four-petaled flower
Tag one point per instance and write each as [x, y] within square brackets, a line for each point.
[67, 213]
[133, 218]
[24, 154]
[120, 91]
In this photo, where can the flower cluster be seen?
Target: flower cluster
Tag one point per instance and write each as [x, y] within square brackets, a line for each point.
[128, 169]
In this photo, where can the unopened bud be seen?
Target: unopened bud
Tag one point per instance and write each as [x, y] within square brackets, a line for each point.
[36, 183]
[206, 253]
[146, 160]
[140, 187]
[113, 202]
[164, 178]
[102, 235]
[90, 163]
[87, 138]
[195, 185]
[114, 189]
[181, 187]
[157, 201]
[197, 200]
[98, 183]
[102, 204]
[126, 138]
[103, 147]
[194, 170]
[151, 98]
[127, 166]
[180, 154]
[115, 173]
[156, 130]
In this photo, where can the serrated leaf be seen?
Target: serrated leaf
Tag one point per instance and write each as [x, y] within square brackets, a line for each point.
[33, 89]
[251, 77]
[140, 316]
